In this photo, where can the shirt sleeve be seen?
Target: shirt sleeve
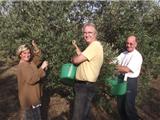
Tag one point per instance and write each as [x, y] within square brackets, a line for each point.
[90, 51]
[37, 58]
[41, 73]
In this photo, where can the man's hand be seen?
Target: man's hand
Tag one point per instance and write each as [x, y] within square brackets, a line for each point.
[74, 43]
[122, 69]
[78, 51]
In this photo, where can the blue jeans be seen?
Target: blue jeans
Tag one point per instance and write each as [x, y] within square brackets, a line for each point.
[126, 103]
[84, 93]
[31, 114]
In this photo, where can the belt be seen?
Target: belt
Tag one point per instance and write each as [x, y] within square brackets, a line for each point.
[84, 82]
[35, 106]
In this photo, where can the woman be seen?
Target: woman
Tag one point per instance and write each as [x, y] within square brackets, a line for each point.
[28, 76]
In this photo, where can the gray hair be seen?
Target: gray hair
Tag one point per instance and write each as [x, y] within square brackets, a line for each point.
[89, 24]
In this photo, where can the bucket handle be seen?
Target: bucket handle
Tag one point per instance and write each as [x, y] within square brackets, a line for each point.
[70, 70]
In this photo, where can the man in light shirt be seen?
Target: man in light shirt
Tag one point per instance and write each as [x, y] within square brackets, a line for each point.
[129, 66]
[89, 64]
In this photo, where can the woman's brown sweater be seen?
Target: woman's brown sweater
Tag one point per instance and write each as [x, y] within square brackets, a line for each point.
[28, 76]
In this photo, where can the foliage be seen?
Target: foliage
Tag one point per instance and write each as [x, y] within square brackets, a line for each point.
[35, 20]
[118, 20]
[55, 24]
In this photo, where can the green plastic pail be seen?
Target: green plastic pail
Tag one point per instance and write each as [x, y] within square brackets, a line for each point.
[117, 87]
[67, 73]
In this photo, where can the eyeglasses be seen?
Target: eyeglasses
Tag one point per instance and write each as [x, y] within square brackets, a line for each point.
[88, 32]
[127, 43]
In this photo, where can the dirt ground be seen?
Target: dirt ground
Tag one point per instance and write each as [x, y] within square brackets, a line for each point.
[56, 107]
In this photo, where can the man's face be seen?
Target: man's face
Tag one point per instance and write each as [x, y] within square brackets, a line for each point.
[131, 43]
[89, 34]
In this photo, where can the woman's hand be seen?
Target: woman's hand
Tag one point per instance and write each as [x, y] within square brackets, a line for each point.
[44, 65]
[33, 43]
[36, 49]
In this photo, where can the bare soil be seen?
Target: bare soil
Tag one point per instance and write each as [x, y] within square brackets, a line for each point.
[57, 107]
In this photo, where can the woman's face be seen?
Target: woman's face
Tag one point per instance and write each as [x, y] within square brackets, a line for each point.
[25, 55]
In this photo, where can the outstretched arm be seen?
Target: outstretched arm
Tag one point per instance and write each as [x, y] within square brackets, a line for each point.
[35, 47]
[36, 53]
[78, 51]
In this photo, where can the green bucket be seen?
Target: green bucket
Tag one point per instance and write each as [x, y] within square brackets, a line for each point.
[67, 73]
[117, 86]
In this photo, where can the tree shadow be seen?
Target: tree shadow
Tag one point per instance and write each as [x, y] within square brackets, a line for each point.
[47, 94]
[151, 105]
[62, 116]
[2, 63]
[3, 69]
[9, 103]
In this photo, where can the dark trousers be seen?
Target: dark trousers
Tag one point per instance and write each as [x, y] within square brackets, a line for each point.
[31, 114]
[84, 93]
[126, 103]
